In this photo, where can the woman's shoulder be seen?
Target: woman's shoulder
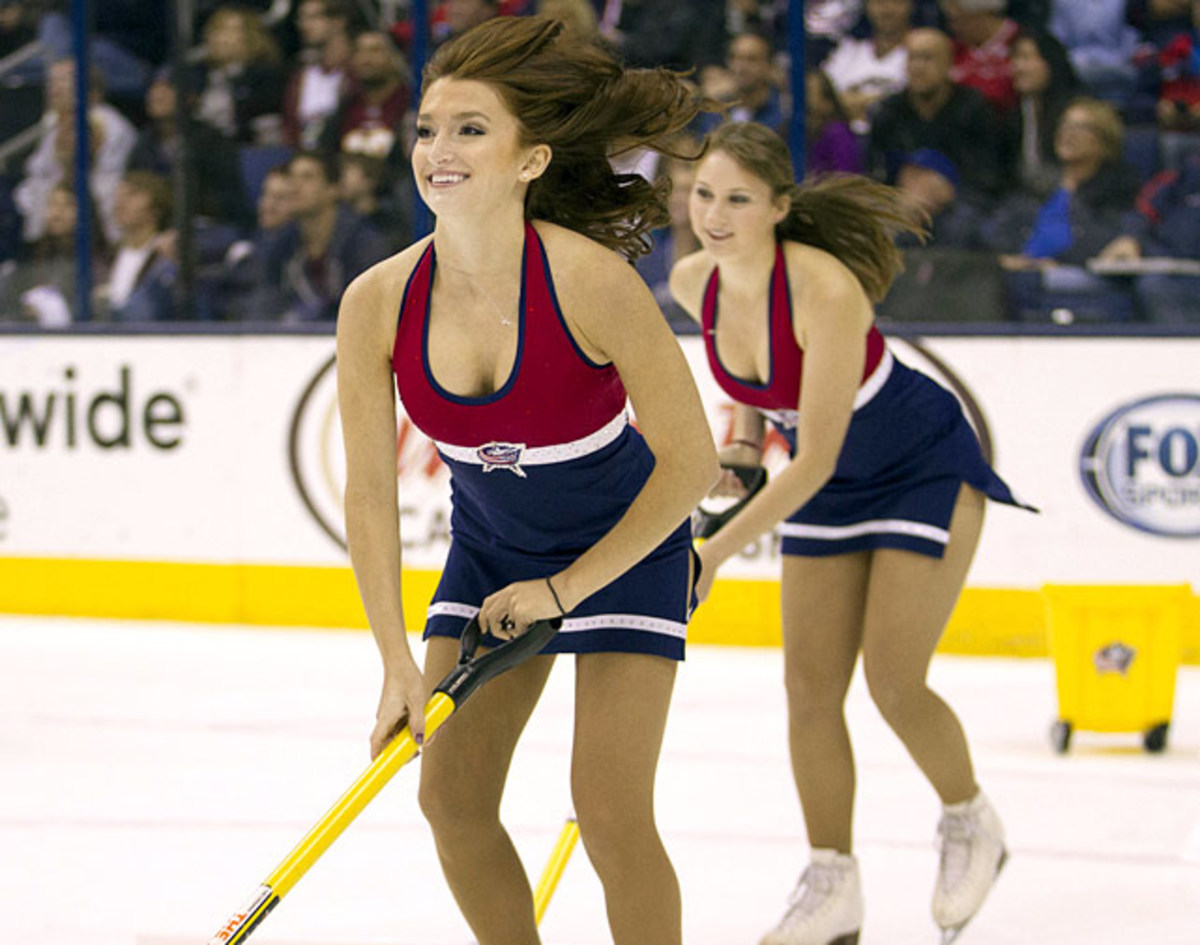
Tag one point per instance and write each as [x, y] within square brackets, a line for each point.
[383, 284]
[580, 264]
[690, 274]
[687, 281]
[802, 258]
[570, 244]
[817, 273]
[601, 296]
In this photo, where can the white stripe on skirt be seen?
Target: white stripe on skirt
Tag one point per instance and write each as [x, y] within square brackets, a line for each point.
[895, 526]
[670, 628]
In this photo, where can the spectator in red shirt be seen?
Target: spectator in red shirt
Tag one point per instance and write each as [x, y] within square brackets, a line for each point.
[983, 41]
[370, 124]
[1178, 106]
[368, 120]
[451, 17]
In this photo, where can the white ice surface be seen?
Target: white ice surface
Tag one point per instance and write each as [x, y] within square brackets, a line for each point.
[151, 775]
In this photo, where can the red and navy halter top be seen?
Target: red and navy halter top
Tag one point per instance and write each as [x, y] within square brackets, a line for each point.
[554, 394]
[781, 391]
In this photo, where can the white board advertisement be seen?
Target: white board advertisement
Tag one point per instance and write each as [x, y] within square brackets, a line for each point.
[228, 449]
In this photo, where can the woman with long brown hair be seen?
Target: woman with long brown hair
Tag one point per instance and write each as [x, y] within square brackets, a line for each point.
[240, 81]
[514, 335]
[880, 508]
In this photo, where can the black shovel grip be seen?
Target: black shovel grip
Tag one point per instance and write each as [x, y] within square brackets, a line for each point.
[705, 524]
[473, 671]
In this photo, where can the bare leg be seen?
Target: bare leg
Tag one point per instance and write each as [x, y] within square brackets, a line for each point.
[910, 600]
[463, 771]
[620, 714]
[822, 600]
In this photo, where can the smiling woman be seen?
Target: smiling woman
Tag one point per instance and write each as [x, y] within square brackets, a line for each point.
[583, 110]
[880, 506]
[515, 334]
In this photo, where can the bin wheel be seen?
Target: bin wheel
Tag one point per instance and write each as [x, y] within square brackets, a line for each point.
[1060, 736]
[1155, 738]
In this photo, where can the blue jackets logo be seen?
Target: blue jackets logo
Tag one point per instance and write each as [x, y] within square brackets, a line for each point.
[1114, 658]
[1141, 464]
[501, 456]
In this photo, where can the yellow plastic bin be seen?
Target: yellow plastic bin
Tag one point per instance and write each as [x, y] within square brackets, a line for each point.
[1116, 654]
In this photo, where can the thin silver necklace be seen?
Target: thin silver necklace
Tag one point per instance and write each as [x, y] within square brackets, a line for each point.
[505, 320]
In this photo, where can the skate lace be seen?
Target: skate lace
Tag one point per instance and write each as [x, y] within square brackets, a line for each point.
[813, 893]
[956, 833]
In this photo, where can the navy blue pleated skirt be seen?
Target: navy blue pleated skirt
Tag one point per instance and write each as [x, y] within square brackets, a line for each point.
[907, 452]
[508, 528]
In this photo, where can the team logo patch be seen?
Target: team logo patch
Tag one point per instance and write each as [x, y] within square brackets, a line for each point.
[1114, 658]
[501, 456]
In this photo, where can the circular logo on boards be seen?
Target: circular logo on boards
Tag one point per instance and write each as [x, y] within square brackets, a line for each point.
[318, 466]
[1141, 464]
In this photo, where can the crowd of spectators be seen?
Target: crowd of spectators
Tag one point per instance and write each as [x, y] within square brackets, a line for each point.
[1055, 145]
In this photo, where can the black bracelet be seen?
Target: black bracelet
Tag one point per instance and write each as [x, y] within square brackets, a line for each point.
[557, 602]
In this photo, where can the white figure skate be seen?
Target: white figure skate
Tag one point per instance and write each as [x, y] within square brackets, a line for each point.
[971, 839]
[826, 907]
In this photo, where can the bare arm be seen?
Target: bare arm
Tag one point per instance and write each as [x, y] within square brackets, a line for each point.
[831, 317]
[1121, 247]
[615, 318]
[747, 432]
[368, 414]
[687, 280]
[629, 330]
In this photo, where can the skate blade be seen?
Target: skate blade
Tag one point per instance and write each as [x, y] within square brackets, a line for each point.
[951, 933]
[850, 938]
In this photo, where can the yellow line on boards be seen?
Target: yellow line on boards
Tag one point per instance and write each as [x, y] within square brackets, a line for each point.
[275, 595]
[986, 622]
